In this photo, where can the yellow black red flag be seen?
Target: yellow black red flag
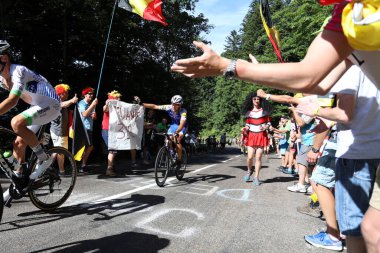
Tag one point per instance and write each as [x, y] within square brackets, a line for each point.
[270, 29]
[80, 138]
[147, 9]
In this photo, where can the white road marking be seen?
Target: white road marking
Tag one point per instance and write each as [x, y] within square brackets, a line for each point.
[122, 194]
[196, 171]
[186, 232]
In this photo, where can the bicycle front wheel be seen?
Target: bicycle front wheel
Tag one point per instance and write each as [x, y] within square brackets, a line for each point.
[55, 186]
[180, 172]
[161, 168]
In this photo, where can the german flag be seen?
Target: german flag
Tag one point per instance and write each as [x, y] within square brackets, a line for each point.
[147, 9]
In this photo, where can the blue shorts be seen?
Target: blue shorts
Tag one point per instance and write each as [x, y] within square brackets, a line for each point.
[174, 127]
[324, 172]
[283, 148]
[354, 184]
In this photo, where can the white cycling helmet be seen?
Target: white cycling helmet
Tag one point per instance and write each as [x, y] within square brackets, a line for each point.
[4, 45]
[177, 99]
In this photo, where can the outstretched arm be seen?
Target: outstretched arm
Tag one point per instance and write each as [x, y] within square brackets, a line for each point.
[151, 106]
[146, 105]
[325, 53]
[277, 98]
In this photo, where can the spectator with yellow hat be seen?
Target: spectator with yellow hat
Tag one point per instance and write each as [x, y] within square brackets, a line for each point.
[59, 128]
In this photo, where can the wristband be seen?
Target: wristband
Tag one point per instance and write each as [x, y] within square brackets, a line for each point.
[317, 111]
[267, 96]
[315, 151]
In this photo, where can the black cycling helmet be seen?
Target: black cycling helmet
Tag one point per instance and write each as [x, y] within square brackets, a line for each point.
[4, 46]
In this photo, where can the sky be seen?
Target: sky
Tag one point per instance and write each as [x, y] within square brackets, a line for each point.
[225, 16]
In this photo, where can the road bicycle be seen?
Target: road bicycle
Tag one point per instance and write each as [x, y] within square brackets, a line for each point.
[47, 192]
[166, 161]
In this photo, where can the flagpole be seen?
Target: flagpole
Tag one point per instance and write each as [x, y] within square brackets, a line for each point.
[105, 48]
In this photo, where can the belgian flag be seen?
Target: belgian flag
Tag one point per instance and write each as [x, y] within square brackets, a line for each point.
[80, 136]
[147, 9]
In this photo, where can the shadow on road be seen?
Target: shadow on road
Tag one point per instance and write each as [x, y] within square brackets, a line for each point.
[209, 178]
[279, 179]
[101, 210]
[125, 242]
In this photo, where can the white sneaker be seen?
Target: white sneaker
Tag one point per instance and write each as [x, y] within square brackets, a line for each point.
[41, 168]
[297, 188]
[309, 190]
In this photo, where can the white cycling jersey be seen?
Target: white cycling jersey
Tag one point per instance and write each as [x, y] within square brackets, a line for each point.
[35, 90]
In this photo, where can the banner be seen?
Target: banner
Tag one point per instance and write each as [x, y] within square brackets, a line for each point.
[126, 125]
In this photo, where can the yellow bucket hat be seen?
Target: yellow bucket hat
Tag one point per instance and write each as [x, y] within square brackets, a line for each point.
[361, 24]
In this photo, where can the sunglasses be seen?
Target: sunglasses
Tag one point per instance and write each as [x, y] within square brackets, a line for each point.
[90, 93]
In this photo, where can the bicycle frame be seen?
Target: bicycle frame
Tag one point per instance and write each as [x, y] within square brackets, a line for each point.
[171, 146]
[7, 168]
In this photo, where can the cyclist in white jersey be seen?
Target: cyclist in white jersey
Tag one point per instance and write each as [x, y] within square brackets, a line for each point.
[35, 90]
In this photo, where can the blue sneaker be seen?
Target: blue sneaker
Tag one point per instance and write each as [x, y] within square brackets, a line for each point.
[247, 177]
[323, 240]
[288, 171]
[256, 181]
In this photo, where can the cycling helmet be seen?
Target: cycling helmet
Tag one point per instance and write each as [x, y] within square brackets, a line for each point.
[177, 99]
[4, 46]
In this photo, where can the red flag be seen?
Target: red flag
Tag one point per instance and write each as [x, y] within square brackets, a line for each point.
[147, 9]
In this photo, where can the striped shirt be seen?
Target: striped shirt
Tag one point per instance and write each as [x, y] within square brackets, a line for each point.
[256, 120]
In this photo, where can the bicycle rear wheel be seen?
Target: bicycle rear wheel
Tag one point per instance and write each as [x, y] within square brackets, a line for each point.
[54, 187]
[180, 172]
[162, 165]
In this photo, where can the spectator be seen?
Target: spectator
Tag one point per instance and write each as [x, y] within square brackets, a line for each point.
[162, 127]
[59, 128]
[149, 130]
[223, 141]
[357, 159]
[283, 134]
[86, 109]
[307, 139]
[113, 95]
[256, 111]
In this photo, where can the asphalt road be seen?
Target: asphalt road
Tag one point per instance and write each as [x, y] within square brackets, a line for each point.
[211, 210]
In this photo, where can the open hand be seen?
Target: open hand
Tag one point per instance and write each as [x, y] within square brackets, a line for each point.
[208, 64]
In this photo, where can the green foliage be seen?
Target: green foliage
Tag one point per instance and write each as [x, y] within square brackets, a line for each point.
[296, 22]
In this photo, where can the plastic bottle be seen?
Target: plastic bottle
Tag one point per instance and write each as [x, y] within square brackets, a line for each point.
[11, 159]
